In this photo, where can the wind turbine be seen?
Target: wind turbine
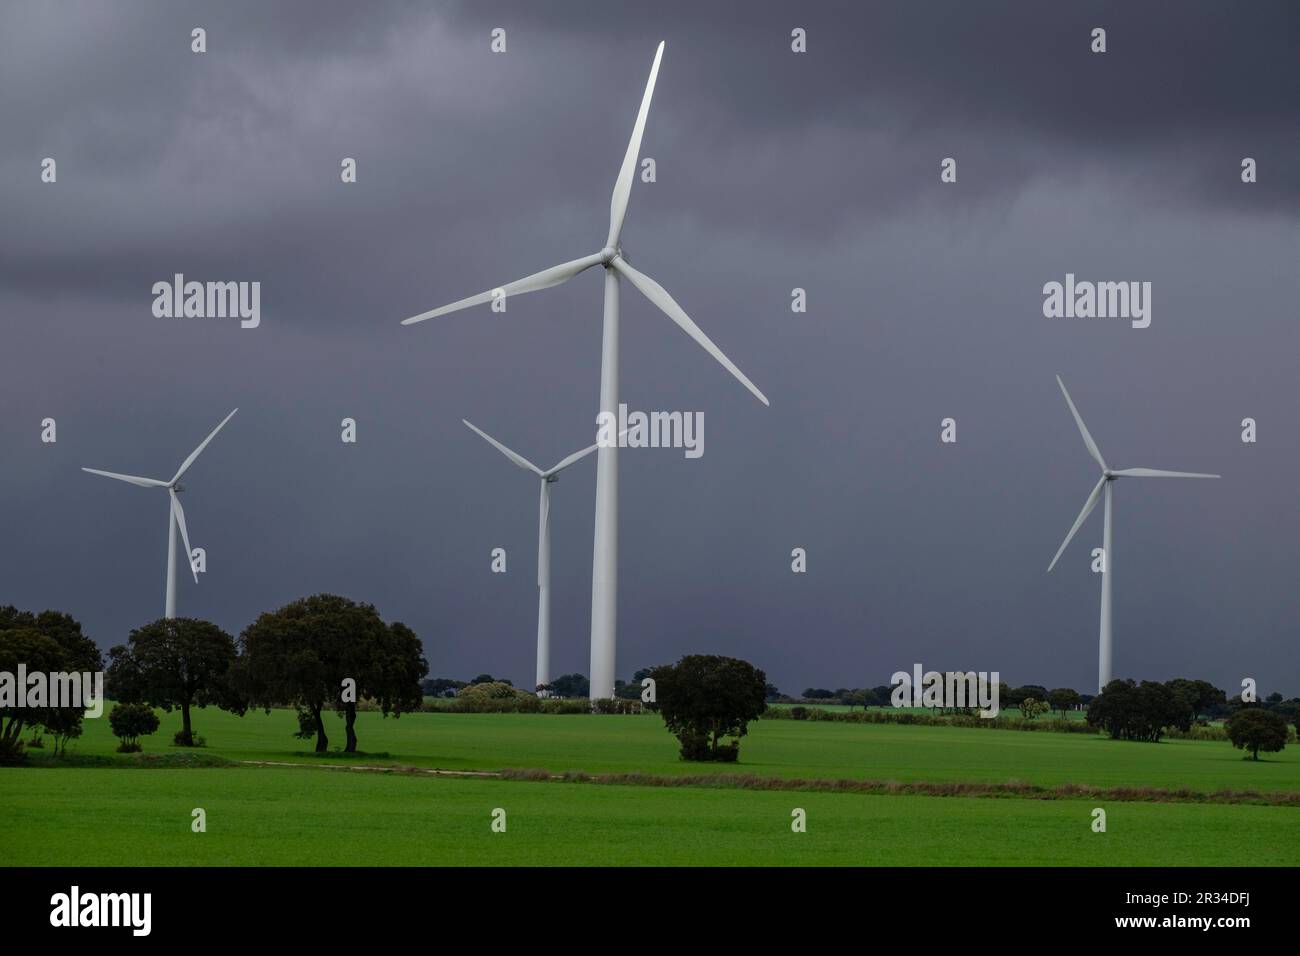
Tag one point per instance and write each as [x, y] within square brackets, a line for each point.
[175, 513]
[548, 477]
[604, 570]
[1103, 488]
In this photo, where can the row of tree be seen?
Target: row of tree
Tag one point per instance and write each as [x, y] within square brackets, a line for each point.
[316, 654]
[1128, 710]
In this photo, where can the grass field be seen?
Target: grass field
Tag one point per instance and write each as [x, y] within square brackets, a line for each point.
[321, 817]
[315, 815]
[776, 748]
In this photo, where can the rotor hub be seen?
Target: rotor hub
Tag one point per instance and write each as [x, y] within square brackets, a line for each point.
[608, 254]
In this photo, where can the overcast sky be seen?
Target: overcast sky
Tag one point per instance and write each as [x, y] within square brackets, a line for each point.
[775, 170]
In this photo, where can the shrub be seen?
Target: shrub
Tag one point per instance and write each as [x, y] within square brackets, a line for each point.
[797, 713]
[130, 722]
[495, 697]
[617, 705]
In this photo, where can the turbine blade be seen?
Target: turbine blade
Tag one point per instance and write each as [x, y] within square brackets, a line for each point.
[179, 512]
[195, 453]
[579, 455]
[142, 482]
[623, 185]
[533, 283]
[1157, 473]
[656, 293]
[518, 459]
[1083, 429]
[1083, 515]
[576, 456]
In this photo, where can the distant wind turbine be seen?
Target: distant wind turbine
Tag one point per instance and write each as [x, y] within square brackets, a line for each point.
[604, 571]
[548, 477]
[1103, 486]
[175, 513]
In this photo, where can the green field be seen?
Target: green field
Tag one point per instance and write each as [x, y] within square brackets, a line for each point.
[319, 817]
[315, 815]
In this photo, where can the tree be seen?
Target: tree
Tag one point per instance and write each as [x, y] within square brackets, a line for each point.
[817, 693]
[302, 655]
[130, 722]
[1130, 711]
[571, 685]
[1062, 699]
[704, 698]
[1031, 707]
[179, 663]
[50, 642]
[854, 698]
[40, 654]
[1256, 729]
[1202, 696]
[441, 686]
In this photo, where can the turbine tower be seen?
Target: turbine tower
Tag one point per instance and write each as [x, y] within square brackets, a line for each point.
[1103, 488]
[604, 564]
[547, 477]
[175, 514]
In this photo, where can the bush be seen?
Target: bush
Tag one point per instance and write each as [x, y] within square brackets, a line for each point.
[617, 705]
[130, 722]
[495, 697]
[560, 705]
[797, 713]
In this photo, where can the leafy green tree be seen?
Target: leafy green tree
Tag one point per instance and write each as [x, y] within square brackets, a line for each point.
[1062, 699]
[130, 722]
[854, 698]
[49, 642]
[704, 698]
[1131, 711]
[1202, 696]
[302, 654]
[571, 685]
[1031, 707]
[178, 663]
[40, 654]
[817, 693]
[441, 686]
[1256, 729]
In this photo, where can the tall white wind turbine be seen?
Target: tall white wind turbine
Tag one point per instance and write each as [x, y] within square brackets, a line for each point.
[175, 513]
[604, 570]
[1103, 488]
[548, 477]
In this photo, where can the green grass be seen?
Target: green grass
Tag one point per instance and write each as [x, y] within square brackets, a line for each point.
[260, 816]
[776, 748]
[102, 808]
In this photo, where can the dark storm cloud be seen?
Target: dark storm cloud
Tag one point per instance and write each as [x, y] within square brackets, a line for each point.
[775, 171]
